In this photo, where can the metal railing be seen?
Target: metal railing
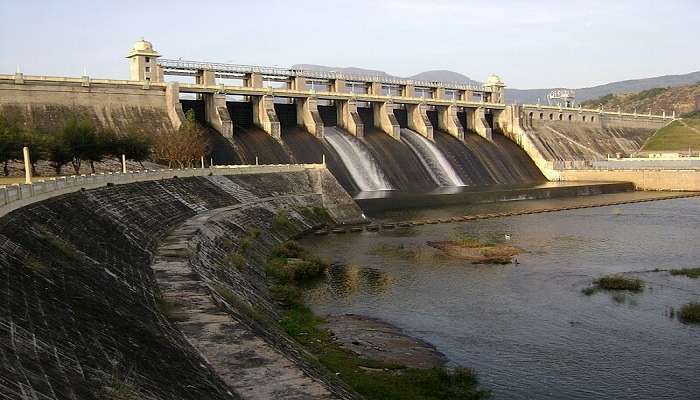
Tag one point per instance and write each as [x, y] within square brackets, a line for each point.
[187, 65]
[15, 196]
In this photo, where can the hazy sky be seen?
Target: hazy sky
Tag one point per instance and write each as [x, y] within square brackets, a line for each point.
[530, 44]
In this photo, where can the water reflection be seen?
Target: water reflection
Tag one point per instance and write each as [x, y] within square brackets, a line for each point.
[347, 280]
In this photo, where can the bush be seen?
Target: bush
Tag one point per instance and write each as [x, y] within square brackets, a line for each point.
[281, 221]
[619, 282]
[690, 313]
[289, 249]
[235, 260]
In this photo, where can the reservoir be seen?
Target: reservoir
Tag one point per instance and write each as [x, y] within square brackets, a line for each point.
[527, 328]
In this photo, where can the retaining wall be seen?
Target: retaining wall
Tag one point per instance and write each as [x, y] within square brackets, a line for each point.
[82, 312]
[643, 179]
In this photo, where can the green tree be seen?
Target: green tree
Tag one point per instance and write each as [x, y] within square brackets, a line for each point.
[58, 153]
[134, 145]
[10, 142]
[81, 139]
[38, 147]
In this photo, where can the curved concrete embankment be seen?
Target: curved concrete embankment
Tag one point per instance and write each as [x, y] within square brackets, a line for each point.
[84, 315]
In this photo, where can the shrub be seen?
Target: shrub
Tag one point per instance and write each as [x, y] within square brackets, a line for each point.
[289, 249]
[235, 260]
[281, 221]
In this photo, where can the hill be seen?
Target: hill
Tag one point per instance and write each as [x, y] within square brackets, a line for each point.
[682, 135]
[588, 93]
[682, 99]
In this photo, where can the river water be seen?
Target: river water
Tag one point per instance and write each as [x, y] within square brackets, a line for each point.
[527, 329]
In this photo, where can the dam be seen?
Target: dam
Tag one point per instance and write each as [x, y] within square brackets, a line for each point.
[170, 283]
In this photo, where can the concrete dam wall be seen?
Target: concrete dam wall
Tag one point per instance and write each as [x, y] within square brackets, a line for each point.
[85, 313]
[474, 160]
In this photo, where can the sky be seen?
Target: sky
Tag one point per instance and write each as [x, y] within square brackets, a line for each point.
[530, 44]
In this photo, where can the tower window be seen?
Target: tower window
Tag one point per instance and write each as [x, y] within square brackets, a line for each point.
[148, 59]
[148, 69]
[148, 78]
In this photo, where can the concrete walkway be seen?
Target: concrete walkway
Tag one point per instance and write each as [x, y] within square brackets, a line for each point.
[248, 364]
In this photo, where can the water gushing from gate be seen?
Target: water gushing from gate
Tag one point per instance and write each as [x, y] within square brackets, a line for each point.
[359, 162]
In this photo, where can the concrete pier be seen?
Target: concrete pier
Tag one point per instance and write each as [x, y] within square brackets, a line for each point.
[385, 120]
[418, 120]
[308, 116]
[348, 118]
[217, 114]
[265, 117]
[478, 121]
[448, 121]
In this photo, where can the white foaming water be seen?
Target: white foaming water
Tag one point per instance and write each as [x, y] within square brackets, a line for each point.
[357, 159]
[432, 158]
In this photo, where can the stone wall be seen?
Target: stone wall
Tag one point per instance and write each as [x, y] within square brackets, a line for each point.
[82, 312]
[643, 179]
[45, 106]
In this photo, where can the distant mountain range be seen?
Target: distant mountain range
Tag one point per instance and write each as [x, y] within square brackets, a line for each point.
[436, 75]
[532, 95]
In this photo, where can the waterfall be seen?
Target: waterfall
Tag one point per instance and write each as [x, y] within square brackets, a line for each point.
[362, 166]
[432, 158]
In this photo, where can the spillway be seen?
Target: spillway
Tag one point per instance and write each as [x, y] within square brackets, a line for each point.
[480, 162]
[432, 158]
[360, 163]
[307, 149]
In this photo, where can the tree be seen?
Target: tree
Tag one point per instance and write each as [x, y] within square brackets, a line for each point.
[10, 142]
[38, 147]
[134, 146]
[58, 153]
[183, 147]
[80, 137]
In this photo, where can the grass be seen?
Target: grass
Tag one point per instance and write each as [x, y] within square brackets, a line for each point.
[235, 260]
[690, 313]
[281, 221]
[689, 272]
[673, 137]
[614, 282]
[374, 379]
[291, 263]
[170, 308]
[120, 387]
[619, 282]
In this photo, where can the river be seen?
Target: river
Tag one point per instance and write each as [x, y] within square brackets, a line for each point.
[526, 328]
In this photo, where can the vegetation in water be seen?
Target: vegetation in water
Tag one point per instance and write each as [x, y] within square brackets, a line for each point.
[689, 272]
[291, 265]
[690, 313]
[374, 379]
[614, 282]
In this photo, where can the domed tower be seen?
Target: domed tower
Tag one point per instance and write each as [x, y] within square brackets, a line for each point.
[142, 63]
[495, 85]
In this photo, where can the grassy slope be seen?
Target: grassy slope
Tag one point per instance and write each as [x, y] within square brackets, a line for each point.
[677, 136]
